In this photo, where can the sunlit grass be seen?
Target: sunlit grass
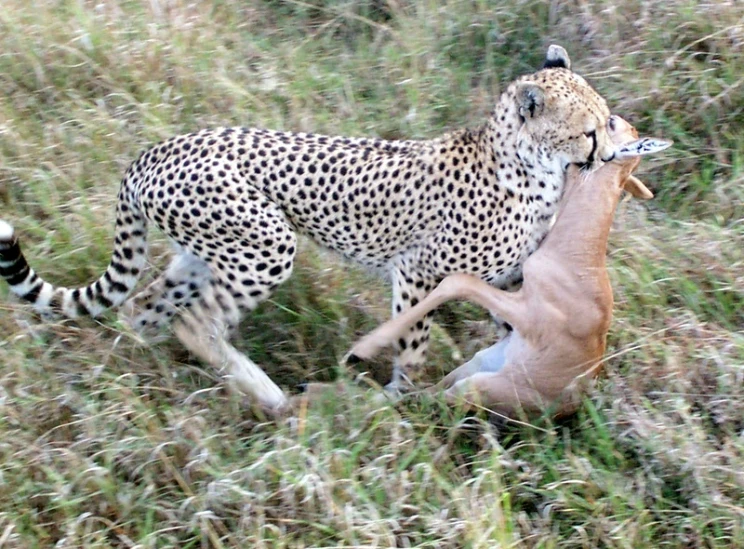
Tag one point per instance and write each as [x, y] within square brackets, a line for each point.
[108, 442]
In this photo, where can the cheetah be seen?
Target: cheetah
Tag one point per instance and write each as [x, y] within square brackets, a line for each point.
[233, 201]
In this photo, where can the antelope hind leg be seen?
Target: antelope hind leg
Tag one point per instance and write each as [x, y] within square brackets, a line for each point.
[506, 305]
[495, 392]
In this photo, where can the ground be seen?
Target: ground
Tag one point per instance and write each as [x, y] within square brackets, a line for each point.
[107, 442]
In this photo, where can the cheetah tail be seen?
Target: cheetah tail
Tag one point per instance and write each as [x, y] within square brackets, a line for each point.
[110, 290]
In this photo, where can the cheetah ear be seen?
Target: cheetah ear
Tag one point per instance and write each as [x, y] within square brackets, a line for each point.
[557, 57]
[530, 100]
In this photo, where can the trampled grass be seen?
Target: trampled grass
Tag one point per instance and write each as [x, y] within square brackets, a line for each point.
[106, 442]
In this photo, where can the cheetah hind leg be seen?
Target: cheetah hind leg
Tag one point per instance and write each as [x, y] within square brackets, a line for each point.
[204, 329]
[248, 257]
[175, 289]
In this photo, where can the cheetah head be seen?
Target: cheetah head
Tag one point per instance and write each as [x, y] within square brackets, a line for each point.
[562, 120]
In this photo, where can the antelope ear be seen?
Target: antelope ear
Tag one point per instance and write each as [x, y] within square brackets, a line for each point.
[643, 146]
[637, 189]
[530, 99]
[557, 57]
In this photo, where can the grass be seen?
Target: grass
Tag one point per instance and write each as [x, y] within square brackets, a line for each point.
[105, 442]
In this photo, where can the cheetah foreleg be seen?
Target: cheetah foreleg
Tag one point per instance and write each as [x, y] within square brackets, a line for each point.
[408, 290]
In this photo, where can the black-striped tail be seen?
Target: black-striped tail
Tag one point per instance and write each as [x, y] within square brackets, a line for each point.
[110, 290]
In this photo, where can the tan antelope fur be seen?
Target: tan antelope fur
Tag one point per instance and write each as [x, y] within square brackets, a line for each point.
[561, 314]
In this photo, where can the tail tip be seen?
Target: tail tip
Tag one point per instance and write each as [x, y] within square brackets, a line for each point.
[6, 231]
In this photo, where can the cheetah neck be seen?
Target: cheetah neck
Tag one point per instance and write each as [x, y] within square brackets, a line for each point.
[516, 167]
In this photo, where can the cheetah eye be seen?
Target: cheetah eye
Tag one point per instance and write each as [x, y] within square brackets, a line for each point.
[591, 135]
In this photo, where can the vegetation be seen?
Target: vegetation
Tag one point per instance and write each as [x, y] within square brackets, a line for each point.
[107, 442]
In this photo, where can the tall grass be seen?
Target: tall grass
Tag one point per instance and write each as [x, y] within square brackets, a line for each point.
[105, 442]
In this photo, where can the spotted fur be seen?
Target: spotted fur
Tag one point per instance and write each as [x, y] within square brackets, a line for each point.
[234, 199]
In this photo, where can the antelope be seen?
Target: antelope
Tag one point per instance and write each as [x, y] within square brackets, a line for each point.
[561, 314]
